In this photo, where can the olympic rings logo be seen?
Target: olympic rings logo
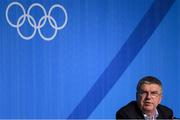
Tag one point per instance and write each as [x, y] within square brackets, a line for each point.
[37, 25]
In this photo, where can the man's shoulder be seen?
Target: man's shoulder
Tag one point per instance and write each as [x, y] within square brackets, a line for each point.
[165, 111]
[131, 105]
[164, 108]
[130, 110]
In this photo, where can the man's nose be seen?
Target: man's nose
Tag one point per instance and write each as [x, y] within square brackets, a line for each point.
[148, 95]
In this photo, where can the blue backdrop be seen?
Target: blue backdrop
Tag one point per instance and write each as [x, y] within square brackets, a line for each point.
[83, 58]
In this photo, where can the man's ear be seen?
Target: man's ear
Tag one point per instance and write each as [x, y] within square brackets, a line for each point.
[136, 95]
[160, 99]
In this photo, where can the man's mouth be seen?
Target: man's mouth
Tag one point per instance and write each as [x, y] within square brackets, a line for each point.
[147, 103]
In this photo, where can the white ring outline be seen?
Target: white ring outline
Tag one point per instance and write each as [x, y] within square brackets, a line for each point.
[65, 13]
[37, 26]
[19, 32]
[29, 10]
[55, 33]
[7, 11]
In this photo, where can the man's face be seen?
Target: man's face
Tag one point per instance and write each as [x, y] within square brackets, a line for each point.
[149, 97]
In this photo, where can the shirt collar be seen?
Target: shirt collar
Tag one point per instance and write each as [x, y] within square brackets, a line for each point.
[154, 116]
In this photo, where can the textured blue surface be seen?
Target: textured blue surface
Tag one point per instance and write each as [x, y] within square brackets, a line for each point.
[91, 68]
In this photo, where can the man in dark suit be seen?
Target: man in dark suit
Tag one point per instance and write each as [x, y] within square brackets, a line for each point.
[147, 105]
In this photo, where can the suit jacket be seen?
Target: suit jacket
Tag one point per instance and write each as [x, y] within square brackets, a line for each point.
[132, 111]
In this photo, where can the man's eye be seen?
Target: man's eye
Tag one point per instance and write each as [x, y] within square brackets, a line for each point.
[143, 92]
[154, 93]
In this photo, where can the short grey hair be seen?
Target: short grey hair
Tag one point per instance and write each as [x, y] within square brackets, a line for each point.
[148, 80]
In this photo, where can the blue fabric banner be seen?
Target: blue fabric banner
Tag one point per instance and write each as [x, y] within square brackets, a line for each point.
[82, 59]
